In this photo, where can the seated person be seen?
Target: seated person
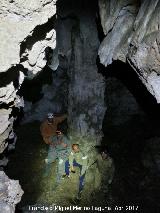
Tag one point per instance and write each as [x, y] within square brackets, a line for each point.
[77, 158]
[59, 149]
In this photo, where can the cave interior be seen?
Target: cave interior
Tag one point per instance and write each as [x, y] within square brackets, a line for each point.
[129, 125]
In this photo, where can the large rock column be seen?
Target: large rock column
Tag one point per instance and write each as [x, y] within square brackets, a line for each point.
[86, 88]
[78, 43]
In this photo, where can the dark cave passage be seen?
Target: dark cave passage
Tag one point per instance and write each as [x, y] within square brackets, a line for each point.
[130, 124]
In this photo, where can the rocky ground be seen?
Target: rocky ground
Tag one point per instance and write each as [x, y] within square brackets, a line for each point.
[27, 165]
[135, 182]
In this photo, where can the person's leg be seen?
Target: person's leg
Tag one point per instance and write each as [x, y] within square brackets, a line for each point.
[60, 169]
[67, 167]
[75, 163]
[51, 157]
[81, 183]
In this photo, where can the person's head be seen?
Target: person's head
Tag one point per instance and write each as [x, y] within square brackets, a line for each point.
[50, 117]
[75, 147]
[104, 154]
[59, 134]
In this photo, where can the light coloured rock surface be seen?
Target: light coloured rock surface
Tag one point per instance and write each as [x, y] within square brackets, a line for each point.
[132, 34]
[36, 57]
[8, 96]
[22, 53]
[113, 16]
[5, 127]
[10, 193]
[18, 20]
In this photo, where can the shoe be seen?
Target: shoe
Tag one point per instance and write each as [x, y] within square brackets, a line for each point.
[79, 196]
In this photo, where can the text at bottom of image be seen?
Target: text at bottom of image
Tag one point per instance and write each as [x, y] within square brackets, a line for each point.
[84, 208]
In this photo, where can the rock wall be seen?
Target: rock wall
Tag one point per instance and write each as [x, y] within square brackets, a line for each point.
[131, 31]
[27, 32]
[23, 51]
[86, 106]
[10, 192]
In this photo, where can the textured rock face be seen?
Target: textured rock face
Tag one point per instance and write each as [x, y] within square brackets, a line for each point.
[23, 52]
[131, 33]
[14, 16]
[53, 100]
[86, 106]
[10, 192]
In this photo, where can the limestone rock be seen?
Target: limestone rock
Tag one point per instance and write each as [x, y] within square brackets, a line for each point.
[18, 20]
[50, 102]
[132, 32]
[113, 16]
[36, 57]
[10, 193]
[86, 106]
[8, 96]
[4, 161]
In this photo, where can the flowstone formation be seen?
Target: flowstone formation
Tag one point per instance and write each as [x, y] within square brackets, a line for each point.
[132, 35]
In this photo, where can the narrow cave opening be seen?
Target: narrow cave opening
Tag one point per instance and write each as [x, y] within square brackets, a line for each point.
[130, 130]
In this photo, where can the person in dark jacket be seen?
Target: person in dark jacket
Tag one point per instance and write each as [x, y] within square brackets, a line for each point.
[48, 127]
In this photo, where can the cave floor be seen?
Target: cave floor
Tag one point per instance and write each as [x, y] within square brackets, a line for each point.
[27, 165]
[131, 184]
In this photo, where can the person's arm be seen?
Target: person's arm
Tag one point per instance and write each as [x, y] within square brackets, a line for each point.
[61, 118]
[84, 165]
[65, 142]
[43, 131]
[71, 157]
[64, 145]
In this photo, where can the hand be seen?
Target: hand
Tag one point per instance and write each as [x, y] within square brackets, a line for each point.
[72, 169]
[46, 161]
[64, 145]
